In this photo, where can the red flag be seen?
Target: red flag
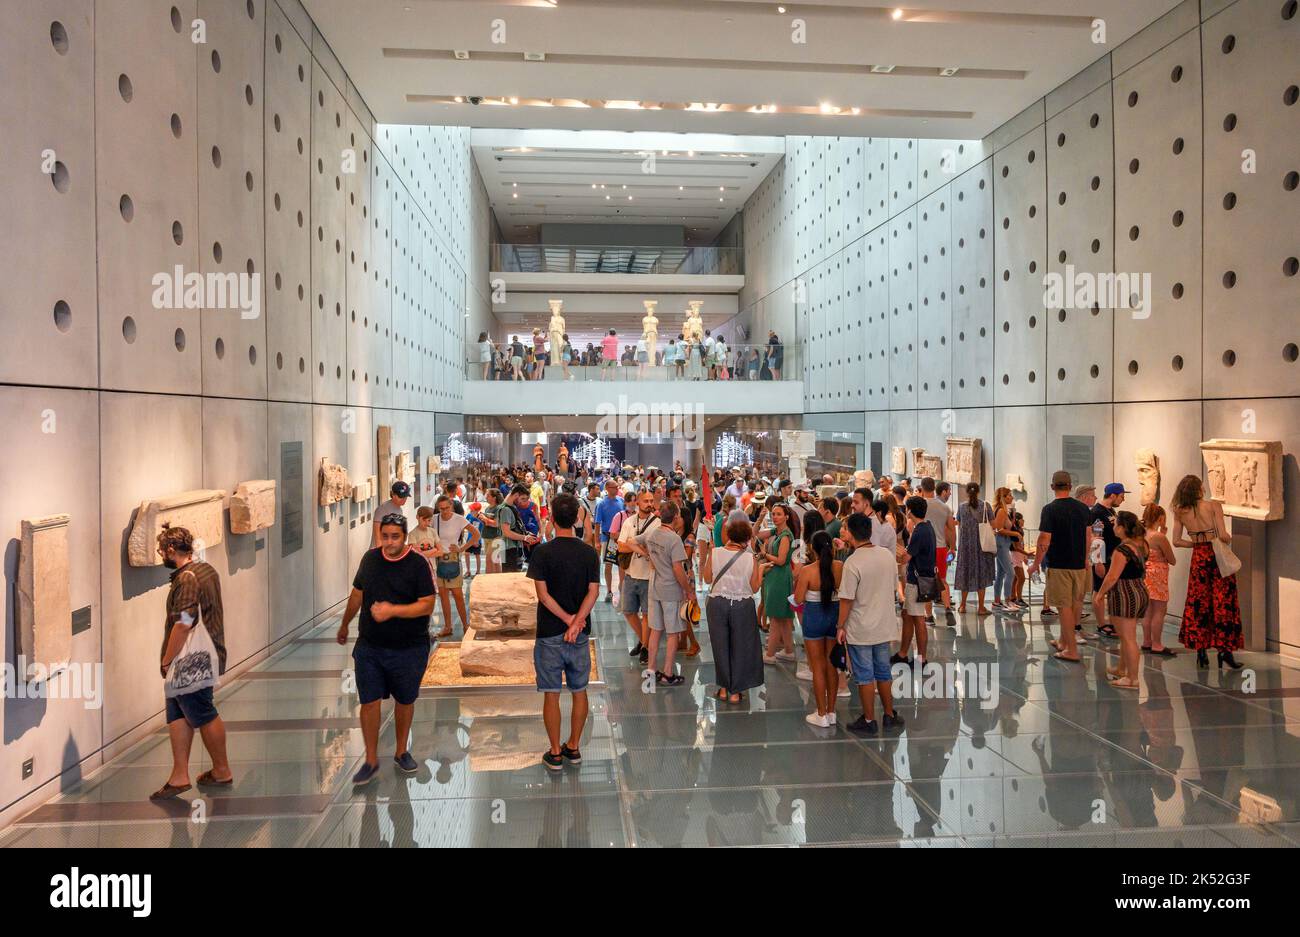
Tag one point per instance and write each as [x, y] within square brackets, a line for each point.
[705, 493]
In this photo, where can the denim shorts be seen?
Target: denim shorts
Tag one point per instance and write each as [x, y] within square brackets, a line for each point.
[870, 662]
[195, 708]
[383, 672]
[820, 621]
[636, 595]
[559, 663]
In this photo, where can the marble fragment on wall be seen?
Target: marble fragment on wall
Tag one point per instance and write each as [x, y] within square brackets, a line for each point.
[252, 506]
[44, 593]
[334, 483]
[1246, 475]
[965, 457]
[199, 512]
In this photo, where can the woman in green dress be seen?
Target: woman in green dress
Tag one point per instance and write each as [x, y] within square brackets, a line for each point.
[778, 584]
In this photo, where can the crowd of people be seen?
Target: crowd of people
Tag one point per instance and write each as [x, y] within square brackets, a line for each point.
[859, 570]
[709, 358]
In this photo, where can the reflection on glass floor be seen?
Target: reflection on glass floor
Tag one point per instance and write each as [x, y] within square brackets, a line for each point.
[1057, 758]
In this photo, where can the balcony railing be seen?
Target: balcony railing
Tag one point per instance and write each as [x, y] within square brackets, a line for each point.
[588, 258]
[741, 363]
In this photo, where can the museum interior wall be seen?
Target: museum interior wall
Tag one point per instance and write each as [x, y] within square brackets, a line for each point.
[247, 152]
[915, 271]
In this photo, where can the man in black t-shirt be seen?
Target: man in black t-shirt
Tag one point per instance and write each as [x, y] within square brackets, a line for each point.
[1064, 539]
[566, 573]
[394, 591]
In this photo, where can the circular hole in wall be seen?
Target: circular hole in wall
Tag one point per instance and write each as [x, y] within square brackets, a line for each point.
[1177, 363]
[177, 24]
[1177, 291]
[1229, 279]
[1094, 371]
[279, 46]
[128, 330]
[248, 181]
[302, 366]
[1230, 123]
[1096, 183]
[178, 339]
[62, 316]
[1133, 166]
[216, 61]
[126, 207]
[1132, 99]
[1291, 180]
[1132, 367]
[221, 348]
[1230, 201]
[1094, 120]
[1291, 352]
[216, 251]
[1229, 43]
[124, 88]
[1178, 146]
[1291, 95]
[1133, 233]
[1229, 358]
[252, 354]
[248, 94]
[216, 157]
[1178, 219]
[59, 37]
[1060, 374]
[1290, 266]
[1177, 74]
[176, 126]
[1288, 9]
[60, 177]
[1096, 246]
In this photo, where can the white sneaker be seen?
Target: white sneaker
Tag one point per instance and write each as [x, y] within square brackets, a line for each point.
[769, 660]
[813, 719]
[830, 718]
[843, 693]
[783, 655]
[803, 673]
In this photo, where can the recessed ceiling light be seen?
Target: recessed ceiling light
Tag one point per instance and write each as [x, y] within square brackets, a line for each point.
[897, 14]
[780, 9]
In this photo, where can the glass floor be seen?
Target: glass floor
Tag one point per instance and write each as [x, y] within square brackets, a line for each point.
[1054, 757]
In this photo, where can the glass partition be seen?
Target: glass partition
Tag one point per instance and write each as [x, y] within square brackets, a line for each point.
[616, 258]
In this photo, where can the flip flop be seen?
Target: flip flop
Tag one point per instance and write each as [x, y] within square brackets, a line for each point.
[1069, 660]
[207, 780]
[1165, 652]
[168, 791]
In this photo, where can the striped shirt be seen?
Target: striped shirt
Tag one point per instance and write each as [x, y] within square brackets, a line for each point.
[196, 587]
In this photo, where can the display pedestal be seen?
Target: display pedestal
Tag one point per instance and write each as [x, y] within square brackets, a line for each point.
[1250, 543]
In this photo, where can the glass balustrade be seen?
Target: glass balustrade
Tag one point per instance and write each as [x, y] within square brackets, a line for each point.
[612, 258]
[673, 363]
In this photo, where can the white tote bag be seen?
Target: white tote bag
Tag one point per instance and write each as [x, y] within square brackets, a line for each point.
[1228, 562]
[988, 539]
[195, 667]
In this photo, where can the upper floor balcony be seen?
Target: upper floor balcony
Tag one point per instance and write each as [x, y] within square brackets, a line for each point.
[606, 258]
[618, 268]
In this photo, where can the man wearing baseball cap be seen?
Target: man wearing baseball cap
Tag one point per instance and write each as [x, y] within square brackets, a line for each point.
[1103, 526]
[399, 493]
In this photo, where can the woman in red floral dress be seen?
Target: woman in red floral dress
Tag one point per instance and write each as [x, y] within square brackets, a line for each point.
[1211, 616]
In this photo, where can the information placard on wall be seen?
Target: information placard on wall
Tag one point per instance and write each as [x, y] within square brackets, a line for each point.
[1076, 458]
[290, 497]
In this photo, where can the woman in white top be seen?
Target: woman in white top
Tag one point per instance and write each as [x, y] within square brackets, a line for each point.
[447, 528]
[485, 354]
[734, 576]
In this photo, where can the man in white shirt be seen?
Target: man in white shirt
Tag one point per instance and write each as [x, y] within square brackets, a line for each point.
[867, 624]
[636, 582]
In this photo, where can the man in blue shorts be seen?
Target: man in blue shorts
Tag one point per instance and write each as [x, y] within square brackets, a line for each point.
[566, 573]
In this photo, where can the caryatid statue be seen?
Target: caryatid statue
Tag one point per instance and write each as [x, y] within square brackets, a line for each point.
[557, 330]
[650, 328]
[693, 329]
[562, 459]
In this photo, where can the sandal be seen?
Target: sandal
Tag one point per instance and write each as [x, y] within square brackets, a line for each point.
[1071, 660]
[1108, 631]
[1127, 684]
[1165, 652]
[721, 695]
[444, 634]
[168, 791]
[207, 780]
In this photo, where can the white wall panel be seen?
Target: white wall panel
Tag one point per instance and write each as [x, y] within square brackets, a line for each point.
[50, 310]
